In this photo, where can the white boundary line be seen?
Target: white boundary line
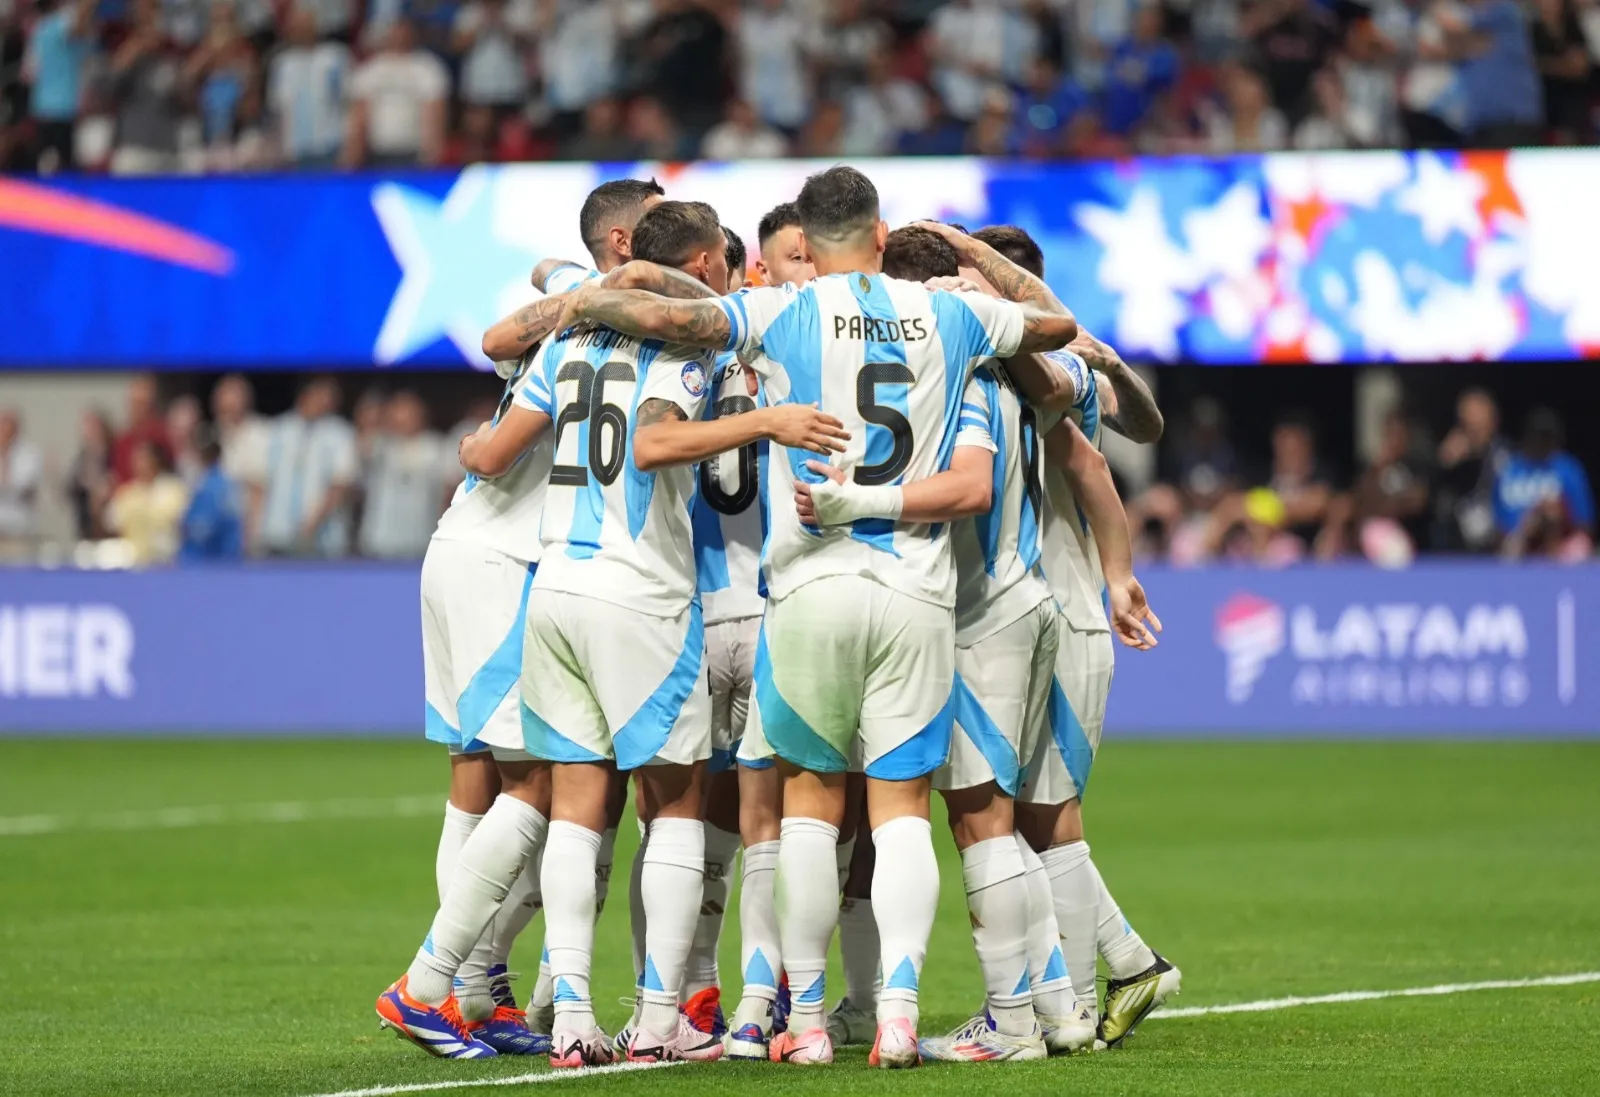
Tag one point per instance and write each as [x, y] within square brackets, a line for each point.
[179, 818]
[1269, 1004]
[1265, 1005]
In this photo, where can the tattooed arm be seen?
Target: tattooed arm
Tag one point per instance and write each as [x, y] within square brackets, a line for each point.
[1130, 406]
[510, 337]
[668, 282]
[1047, 323]
[650, 316]
[664, 437]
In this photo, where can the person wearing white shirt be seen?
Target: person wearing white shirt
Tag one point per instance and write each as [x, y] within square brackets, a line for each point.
[404, 477]
[310, 468]
[578, 52]
[21, 470]
[771, 35]
[397, 104]
[742, 136]
[305, 93]
[880, 110]
[490, 44]
[243, 436]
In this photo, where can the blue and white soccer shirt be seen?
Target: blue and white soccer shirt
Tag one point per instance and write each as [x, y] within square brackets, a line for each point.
[568, 277]
[1071, 557]
[729, 510]
[890, 360]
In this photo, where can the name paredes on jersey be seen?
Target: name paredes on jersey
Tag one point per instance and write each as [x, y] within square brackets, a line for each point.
[876, 330]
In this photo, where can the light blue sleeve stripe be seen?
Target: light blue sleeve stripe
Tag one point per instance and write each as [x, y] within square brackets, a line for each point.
[737, 324]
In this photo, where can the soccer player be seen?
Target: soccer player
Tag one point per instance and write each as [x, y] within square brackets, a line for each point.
[857, 645]
[614, 668]
[782, 260]
[1086, 573]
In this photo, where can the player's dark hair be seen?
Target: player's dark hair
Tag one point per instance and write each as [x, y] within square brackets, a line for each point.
[670, 232]
[836, 205]
[737, 259]
[617, 202]
[916, 255]
[777, 219]
[1016, 245]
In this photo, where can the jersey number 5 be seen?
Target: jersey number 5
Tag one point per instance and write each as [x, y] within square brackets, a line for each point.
[605, 453]
[744, 490]
[871, 376]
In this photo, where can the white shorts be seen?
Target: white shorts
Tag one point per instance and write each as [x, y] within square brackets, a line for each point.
[844, 661]
[1002, 687]
[1075, 715]
[604, 682]
[473, 603]
[730, 662]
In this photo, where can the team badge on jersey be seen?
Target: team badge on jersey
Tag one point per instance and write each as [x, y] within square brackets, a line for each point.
[694, 378]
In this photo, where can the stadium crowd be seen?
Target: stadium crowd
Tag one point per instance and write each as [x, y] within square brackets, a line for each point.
[145, 86]
[310, 482]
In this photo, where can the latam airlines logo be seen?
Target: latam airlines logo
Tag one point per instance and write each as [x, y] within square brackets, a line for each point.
[1395, 654]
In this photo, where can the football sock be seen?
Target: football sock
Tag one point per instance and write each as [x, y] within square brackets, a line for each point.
[522, 903]
[1125, 951]
[721, 848]
[602, 868]
[997, 898]
[636, 907]
[1047, 966]
[543, 988]
[858, 951]
[842, 854]
[1074, 887]
[905, 898]
[500, 846]
[807, 895]
[458, 827]
[674, 866]
[759, 955]
[569, 884]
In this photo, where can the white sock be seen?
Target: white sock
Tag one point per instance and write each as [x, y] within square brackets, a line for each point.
[1077, 900]
[458, 827]
[568, 881]
[997, 897]
[905, 898]
[674, 866]
[636, 911]
[604, 860]
[474, 992]
[1047, 965]
[842, 855]
[501, 844]
[1125, 951]
[858, 951]
[759, 955]
[522, 903]
[471, 981]
[543, 988]
[807, 897]
[701, 973]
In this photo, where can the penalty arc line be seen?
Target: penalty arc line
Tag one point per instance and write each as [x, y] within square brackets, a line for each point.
[1265, 1005]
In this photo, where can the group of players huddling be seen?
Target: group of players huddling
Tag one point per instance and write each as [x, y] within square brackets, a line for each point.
[790, 555]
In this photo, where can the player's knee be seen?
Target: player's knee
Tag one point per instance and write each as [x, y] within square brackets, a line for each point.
[672, 791]
[528, 782]
[979, 813]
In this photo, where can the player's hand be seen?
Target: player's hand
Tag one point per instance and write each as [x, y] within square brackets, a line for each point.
[954, 285]
[804, 503]
[802, 426]
[572, 309]
[952, 236]
[1132, 619]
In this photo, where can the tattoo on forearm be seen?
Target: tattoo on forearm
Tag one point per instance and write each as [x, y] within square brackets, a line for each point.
[697, 323]
[1013, 283]
[674, 283]
[656, 411]
[1137, 415]
[534, 321]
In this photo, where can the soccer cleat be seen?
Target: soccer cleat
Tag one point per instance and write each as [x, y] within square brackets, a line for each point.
[746, 1042]
[589, 1047]
[686, 1044]
[500, 986]
[781, 1005]
[978, 1041]
[704, 1011]
[848, 1024]
[508, 1033]
[812, 1048]
[439, 1030]
[1129, 1001]
[1073, 1033]
[895, 1046]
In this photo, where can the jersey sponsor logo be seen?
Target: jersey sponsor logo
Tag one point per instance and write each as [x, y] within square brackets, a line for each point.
[1393, 654]
[869, 328]
[694, 378]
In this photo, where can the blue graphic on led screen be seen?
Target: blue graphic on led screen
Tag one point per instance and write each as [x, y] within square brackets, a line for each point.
[1290, 257]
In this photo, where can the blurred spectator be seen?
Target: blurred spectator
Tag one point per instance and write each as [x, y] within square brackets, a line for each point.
[823, 137]
[1048, 109]
[773, 71]
[224, 78]
[1541, 490]
[1249, 123]
[146, 85]
[741, 135]
[684, 55]
[21, 472]
[602, 137]
[1204, 467]
[1140, 69]
[1498, 74]
[1298, 480]
[1252, 529]
[1470, 459]
[653, 132]
[843, 47]
[397, 108]
[310, 471]
[967, 43]
[1326, 127]
[145, 424]
[1393, 491]
[490, 44]
[578, 47]
[213, 525]
[1291, 40]
[1433, 100]
[369, 420]
[1099, 26]
[59, 48]
[305, 92]
[882, 109]
[242, 436]
[148, 510]
[89, 479]
[183, 440]
[481, 139]
[1564, 70]
[990, 135]
[1367, 88]
[404, 483]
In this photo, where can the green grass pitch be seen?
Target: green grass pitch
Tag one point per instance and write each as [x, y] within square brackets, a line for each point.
[242, 956]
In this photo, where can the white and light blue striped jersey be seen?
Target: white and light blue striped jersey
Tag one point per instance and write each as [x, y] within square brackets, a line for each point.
[568, 277]
[1071, 557]
[998, 578]
[503, 513]
[729, 511]
[305, 460]
[610, 531]
[890, 360]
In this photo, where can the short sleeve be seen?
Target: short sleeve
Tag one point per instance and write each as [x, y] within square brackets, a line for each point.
[1575, 486]
[972, 427]
[566, 278]
[1072, 365]
[536, 392]
[346, 461]
[680, 380]
[433, 79]
[975, 325]
[750, 313]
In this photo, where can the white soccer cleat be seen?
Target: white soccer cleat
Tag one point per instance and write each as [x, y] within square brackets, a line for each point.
[685, 1044]
[589, 1047]
[978, 1041]
[848, 1024]
[1073, 1033]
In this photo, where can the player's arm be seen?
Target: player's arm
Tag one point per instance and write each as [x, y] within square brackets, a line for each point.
[1130, 406]
[664, 435]
[964, 489]
[509, 338]
[701, 323]
[546, 267]
[1047, 324]
[494, 448]
[654, 278]
[1090, 477]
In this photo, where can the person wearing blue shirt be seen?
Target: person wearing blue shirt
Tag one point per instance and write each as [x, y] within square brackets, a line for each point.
[60, 44]
[1142, 68]
[212, 528]
[1538, 473]
[1505, 102]
[1046, 110]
